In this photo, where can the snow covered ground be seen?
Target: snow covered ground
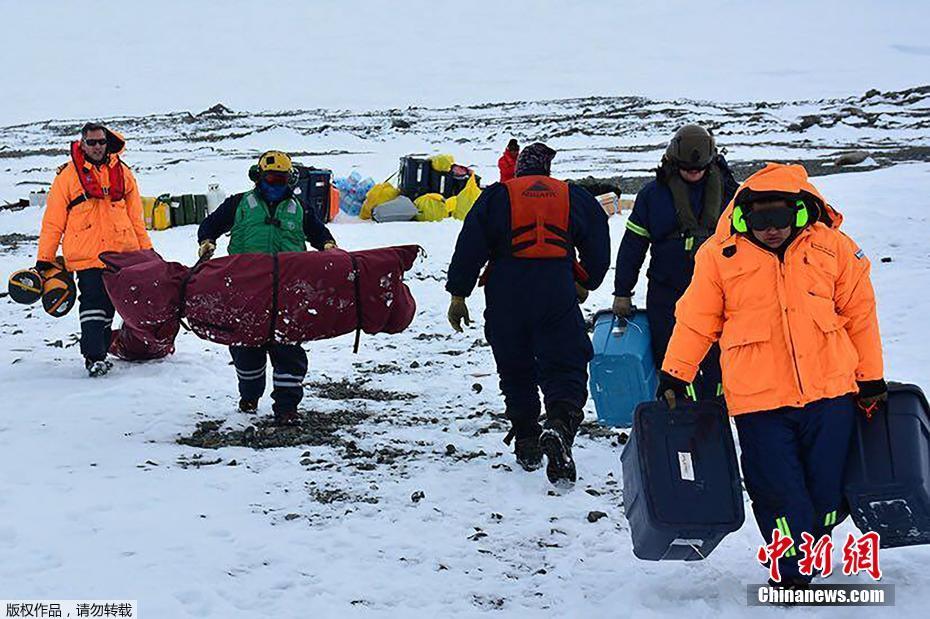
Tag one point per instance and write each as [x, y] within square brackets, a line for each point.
[98, 500]
[404, 501]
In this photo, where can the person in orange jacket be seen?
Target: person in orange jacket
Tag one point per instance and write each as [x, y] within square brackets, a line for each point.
[93, 207]
[789, 298]
[507, 164]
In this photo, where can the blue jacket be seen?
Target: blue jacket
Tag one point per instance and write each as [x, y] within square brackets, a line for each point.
[653, 224]
[221, 221]
[485, 237]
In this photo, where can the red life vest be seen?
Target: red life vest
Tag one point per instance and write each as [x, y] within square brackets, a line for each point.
[91, 184]
[539, 216]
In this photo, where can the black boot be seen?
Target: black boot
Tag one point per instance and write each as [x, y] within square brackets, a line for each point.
[286, 418]
[97, 368]
[526, 449]
[562, 421]
[249, 407]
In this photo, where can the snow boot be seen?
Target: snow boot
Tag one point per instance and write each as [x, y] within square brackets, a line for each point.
[286, 418]
[96, 369]
[526, 450]
[249, 407]
[526, 430]
[558, 435]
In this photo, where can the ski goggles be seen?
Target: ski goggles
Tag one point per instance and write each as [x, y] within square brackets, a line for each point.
[692, 168]
[276, 178]
[780, 217]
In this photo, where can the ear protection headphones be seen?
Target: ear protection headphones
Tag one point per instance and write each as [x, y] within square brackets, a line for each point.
[801, 219]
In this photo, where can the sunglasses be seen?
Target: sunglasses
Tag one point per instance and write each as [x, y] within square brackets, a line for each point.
[100, 142]
[781, 217]
[276, 178]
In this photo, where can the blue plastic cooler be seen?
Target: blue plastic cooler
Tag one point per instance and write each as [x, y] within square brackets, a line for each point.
[681, 485]
[623, 371]
[888, 471]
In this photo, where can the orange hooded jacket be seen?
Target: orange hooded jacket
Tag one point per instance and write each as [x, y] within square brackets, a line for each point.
[791, 332]
[95, 225]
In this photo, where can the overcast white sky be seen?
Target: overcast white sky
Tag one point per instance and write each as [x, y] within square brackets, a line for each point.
[93, 58]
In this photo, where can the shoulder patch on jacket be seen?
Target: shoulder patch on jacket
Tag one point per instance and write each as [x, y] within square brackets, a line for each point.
[729, 251]
[860, 254]
[61, 168]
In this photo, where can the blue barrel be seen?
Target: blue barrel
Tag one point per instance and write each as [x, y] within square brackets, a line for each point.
[623, 371]
[681, 483]
[887, 481]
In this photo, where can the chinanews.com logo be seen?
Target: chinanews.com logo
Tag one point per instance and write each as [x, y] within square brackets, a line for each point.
[860, 556]
[539, 189]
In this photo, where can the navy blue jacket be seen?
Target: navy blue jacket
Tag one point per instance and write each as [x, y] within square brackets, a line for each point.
[653, 224]
[221, 221]
[486, 236]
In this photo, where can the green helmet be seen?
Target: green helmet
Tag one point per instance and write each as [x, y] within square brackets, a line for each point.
[691, 147]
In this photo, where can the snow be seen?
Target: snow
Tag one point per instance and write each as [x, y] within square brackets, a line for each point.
[98, 500]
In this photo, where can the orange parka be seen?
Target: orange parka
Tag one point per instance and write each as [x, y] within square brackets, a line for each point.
[791, 331]
[95, 225]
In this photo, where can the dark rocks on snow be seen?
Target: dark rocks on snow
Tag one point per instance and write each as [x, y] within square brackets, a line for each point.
[417, 496]
[477, 388]
[594, 516]
[887, 259]
[805, 122]
[400, 123]
[599, 186]
[851, 158]
[218, 110]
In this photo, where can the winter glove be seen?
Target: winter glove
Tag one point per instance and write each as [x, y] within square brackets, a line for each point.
[207, 247]
[672, 390]
[582, 292]
[329, 245]
[623, 307]
[458, 312]
[42, 266]
[872, 396]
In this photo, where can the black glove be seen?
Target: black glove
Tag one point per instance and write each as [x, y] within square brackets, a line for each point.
[42, 265]
[671, 390]
[872, 396]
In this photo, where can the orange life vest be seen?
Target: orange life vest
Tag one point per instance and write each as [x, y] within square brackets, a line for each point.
[539, 216]
[91, 184]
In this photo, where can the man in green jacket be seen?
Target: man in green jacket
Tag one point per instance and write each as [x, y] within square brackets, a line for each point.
[267, 220]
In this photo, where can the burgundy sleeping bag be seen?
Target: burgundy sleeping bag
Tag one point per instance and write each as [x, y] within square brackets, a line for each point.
[253, 299]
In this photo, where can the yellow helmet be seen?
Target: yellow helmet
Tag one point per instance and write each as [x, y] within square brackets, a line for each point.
[275, 161]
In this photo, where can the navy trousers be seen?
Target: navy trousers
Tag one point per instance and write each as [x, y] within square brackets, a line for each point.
[793, 461]
[660, 310]
[289, 368]
[540, 343]
[96, 313]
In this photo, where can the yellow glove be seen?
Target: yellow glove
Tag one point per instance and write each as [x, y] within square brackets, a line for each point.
[329, 245]
[458, 312]
[623, 307]
[206, 249]
[582, 292]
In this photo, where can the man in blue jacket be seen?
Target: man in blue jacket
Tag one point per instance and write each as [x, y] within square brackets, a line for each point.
[269, 220]
[527, 231]
[673, 215]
